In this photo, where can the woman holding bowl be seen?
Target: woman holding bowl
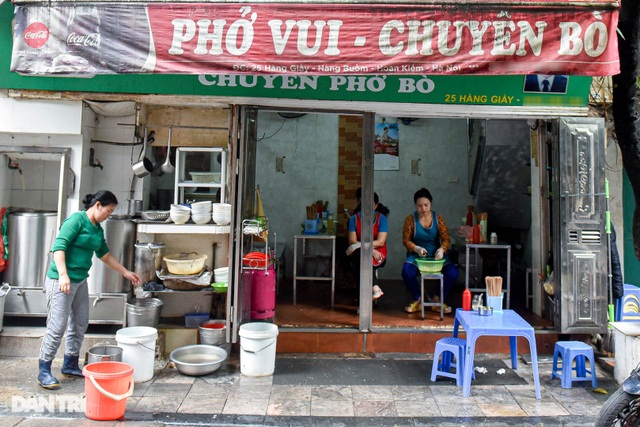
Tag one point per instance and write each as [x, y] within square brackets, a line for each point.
[425, 234]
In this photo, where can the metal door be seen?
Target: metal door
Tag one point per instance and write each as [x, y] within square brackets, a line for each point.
[243, 165]
[580, 249]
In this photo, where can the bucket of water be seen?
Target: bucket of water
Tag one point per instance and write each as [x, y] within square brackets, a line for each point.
[139, 350]
[106, 387]
[258, 348]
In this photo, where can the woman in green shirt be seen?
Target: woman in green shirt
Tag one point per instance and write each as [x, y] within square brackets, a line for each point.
[67, 292]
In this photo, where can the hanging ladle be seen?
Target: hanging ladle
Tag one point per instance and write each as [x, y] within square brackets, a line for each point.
[167, 167]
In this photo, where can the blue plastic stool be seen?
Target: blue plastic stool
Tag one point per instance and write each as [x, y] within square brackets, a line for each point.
[568, 351]
[448, 347]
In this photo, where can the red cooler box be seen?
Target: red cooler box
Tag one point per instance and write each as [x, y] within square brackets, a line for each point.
[263, 293]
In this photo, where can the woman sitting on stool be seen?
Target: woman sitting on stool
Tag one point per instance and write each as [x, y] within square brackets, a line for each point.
[425, 234]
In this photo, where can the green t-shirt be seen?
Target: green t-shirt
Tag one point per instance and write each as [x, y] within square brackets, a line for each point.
[79, 238]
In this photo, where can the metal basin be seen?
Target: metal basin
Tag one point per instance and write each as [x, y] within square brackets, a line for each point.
[199, 359]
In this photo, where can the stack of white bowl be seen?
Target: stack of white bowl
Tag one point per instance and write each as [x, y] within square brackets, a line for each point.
[201, 212]
[221, 275]
[179, 214]
[221, 213]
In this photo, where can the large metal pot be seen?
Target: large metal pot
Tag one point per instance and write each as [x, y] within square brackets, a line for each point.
[104, 353]
[148, 260]
[30, 238]
[120, 234]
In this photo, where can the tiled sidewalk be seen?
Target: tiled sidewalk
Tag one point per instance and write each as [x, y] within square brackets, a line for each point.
[228, 398]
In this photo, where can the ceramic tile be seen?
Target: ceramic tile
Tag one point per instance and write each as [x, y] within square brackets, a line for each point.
[65, 422]
[415, 408]
[463, 407]
[178, 391]
[372, 393]
[245, 406]
[132, 402]
[374, 408]
[411, 393]
[139, 389]
[284, 393]
[201, 387]
[249, 392]
[332, 392]
[10, 421]
[172, 376]
[157, 404]
[298, 408]
[202, 405]
[581, 408]
[502, 410]
[492, 395]
[539, 408]
[331, 408]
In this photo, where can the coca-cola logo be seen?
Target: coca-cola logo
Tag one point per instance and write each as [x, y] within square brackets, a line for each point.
[36, 35]
[74, 39]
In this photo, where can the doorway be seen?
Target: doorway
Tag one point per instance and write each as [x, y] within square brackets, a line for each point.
[304, 157]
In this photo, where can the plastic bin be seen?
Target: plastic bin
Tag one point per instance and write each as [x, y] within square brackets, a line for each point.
[630, 310]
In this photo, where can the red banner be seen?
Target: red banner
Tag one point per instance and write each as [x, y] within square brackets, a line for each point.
[315, 39]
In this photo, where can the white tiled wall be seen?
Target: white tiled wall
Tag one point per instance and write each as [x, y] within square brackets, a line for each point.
[42, 124]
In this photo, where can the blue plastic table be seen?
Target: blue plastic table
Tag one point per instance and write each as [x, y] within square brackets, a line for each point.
[508, 324]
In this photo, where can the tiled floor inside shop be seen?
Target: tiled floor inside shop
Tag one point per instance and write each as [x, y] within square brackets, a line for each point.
[313, 308]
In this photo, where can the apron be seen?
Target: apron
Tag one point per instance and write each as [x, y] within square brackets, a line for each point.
[376, 225]
[427, 238]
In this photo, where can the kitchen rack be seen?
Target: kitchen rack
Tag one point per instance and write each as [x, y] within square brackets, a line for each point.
[256, 227]
[183, 181]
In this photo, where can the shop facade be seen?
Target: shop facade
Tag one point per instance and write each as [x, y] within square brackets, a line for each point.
[236, 112]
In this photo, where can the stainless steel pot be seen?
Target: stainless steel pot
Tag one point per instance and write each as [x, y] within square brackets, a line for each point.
[104, 353]
[134, 207]
[148, 260]
[30, 237]
[143, 166]
[120, 234]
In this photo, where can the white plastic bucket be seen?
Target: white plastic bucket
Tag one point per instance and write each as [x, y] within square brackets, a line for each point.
[138, 345]
[258, 349]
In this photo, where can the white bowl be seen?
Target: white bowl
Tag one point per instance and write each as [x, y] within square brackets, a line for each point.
[201, 211]
[221, 270]
[181, 208]
[221, 207]
[201, 205]
[220, 221]
[179, 218]
[201, 220]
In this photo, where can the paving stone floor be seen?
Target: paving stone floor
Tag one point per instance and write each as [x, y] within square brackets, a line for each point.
[228, 398]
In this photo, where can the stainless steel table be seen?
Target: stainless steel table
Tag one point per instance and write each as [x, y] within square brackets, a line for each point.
[476, 247]
[331, 238]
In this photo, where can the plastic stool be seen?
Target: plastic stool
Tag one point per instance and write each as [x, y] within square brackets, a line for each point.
[448, 347]
[434, 276]
[568, 351]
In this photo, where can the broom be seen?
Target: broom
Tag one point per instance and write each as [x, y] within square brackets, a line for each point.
[608, 344]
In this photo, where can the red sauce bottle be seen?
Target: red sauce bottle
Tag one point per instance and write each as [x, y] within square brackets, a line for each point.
[466, 300]
[476, 233]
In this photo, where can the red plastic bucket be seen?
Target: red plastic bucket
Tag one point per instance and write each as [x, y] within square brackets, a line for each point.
[106, 387]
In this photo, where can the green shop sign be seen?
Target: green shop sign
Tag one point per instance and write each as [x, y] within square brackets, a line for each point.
[507, 90]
